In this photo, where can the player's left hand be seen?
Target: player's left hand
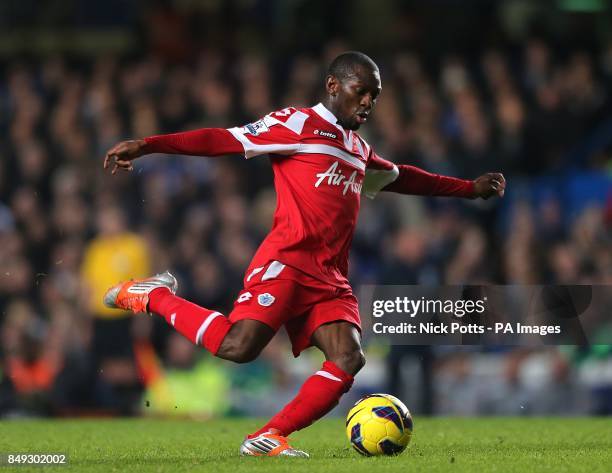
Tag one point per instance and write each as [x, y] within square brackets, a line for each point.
[490, 184]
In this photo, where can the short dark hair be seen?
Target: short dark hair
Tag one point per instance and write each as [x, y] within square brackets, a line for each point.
[344, 65]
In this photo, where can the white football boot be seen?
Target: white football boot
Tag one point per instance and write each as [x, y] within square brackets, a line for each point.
[134, 294]
[269, 444]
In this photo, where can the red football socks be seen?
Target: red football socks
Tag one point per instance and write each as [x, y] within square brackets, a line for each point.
[319, 394]
[201, 326]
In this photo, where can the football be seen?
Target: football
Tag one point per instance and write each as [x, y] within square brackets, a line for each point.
[379, 424]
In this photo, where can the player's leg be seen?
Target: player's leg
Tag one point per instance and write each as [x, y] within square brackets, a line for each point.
[340, 342]
[328, 318]
[245, 341]
[240, 341]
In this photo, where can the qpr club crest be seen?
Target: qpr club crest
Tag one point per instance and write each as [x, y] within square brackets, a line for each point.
[266, 299]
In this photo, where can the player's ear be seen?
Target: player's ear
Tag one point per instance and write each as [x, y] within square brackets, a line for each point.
[332, 85]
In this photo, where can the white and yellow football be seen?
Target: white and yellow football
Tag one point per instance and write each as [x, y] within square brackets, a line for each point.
[379, 424]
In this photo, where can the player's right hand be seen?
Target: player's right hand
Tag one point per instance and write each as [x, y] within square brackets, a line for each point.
[122, 154]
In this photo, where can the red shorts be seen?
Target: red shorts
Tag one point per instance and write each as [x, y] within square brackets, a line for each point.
[280, 295]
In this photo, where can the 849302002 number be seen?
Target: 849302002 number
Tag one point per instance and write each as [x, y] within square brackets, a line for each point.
[33, 459]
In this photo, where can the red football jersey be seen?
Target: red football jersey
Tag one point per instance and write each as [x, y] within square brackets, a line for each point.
[320, 172]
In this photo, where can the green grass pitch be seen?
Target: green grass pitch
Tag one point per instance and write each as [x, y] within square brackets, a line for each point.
[438, 445]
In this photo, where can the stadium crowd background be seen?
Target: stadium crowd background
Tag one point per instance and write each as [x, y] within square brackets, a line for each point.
[486, 86]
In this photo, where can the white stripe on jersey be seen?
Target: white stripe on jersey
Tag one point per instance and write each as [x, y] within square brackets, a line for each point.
[254, 272]
[332, 151]
[275, 268]
[376, 179]
[251, 149]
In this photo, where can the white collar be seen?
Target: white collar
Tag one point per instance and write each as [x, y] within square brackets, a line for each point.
[326, 114]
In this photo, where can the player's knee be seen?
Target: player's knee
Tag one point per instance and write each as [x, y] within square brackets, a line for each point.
[360, 361]
[240, 353]
[350, 361]
[246, 353]
[240, 346]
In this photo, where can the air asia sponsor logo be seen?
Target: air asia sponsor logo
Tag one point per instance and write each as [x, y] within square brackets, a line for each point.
[256, 128]
[334, 177]
[326, 134]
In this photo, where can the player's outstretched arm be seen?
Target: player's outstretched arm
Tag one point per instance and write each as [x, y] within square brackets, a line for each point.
[383, 175]
[202, 142]
[415, 181]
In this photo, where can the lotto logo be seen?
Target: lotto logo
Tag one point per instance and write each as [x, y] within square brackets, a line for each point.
[326, 134]
[244, 297]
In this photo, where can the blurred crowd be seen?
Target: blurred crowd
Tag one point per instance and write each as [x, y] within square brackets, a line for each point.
[68, 230]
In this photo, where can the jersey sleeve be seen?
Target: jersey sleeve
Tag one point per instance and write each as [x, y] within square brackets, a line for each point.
[276, 133]
[383, 175]
[379, 173]
[202, 142]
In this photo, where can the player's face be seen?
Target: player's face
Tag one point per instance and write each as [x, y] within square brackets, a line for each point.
[355, 97]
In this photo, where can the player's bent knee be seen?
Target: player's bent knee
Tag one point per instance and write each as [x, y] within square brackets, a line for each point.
[248, 353]
[244, 342]
[350, 361]
[239, 350]
[360, 361]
